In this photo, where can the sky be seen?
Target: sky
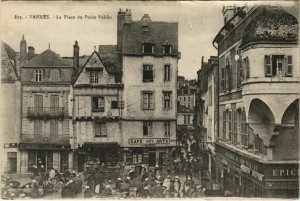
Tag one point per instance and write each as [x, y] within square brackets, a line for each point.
[199, 23]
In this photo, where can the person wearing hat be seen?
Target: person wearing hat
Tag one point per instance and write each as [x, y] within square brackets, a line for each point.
[177, 185]
[146, 192]
[158, 190]
[118, 184]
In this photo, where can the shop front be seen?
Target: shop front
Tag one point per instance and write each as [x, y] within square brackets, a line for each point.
[247, 177]
[148, 152]
[108, 153]
[47, 155]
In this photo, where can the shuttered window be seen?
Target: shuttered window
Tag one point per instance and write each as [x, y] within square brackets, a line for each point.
[54, 128]
[167, 99]
[167, 73]
[289, 66]
[98, 104]
[167, 128]
[223, 87]
[38, 127]
[147, 128]
[147, 100]
[246, 68]
[100, 130]
[229, 120]
[224, 125]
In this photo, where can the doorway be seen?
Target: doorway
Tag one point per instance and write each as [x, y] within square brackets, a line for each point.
[12, 162]
[152, 158]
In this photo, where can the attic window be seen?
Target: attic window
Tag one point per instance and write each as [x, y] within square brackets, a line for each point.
[38, 75]
[148, 48]
[167, 49]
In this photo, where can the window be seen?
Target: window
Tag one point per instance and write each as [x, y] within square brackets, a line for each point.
[137, 157]
[118, 78]
[167, 101]
[167, 76]
[53, 128]
[246, 68]
[210, 95]
[259, 145]
[147, 100]
[148, 48]
[38, 75]
[38, 127]
[167, 128]
[147, 128]
[229, 120]
[167, 49]
[114, 105]
[94, 76]
[234, 132]
[278, 65]
[223, 87]
[244, 129]
[224, 125]
[148, 73]
[239, 74]
[289, 66]
[98, 104]
[100, 130]
[187, 119]
[228, 74]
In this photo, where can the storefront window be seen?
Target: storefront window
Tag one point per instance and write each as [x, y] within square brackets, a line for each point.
[137, 157]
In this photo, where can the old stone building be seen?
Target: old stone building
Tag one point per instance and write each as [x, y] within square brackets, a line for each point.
[10, 110]
[46, 81]
[149, 51]
[97, 96]
[258, 143]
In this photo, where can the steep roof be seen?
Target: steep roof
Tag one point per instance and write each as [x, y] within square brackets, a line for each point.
[46, 59]
[159, 33]
[109, 57]
[8, 68]
[271, 26]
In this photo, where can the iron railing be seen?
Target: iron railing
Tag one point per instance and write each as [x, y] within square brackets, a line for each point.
[47, 112]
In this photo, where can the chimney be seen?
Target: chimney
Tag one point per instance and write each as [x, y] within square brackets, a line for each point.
[31, 53]
[76, 56]
[202, 60]
[120, 23]
[23, 51]
[128, 17]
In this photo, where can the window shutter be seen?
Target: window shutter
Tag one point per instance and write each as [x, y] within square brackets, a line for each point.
[268, 65]
[289, 65]
[153, 100]
[223, 79]
[163, 100]
[247, 68]
[142, 100]
[170, 99]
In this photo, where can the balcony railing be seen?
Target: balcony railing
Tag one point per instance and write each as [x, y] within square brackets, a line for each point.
[47, 112]
[44, 138]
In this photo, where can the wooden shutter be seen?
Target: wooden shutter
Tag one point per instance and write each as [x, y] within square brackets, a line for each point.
[223, 79]
[54, 101]
[38, 101]
[170, 99]
[268, 65]
[224, 125]
[288, 66]
[53, 128]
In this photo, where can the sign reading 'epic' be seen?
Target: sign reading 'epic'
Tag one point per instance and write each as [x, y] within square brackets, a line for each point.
[135, 141]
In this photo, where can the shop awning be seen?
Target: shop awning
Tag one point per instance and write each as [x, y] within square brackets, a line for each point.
[44, 146]
[101, 144]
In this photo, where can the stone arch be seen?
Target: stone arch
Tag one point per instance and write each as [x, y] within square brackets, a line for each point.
[261, 119]
[289, 117]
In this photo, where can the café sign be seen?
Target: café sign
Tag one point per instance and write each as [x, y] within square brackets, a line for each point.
[147, 141]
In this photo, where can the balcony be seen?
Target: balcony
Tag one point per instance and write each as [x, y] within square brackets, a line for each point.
[47, 112]
[44, 138]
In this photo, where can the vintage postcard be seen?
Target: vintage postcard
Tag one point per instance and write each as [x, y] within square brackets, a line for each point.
[126, 100]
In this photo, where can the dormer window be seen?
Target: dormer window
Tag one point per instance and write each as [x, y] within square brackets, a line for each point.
[148, 48]
[167, 49]
[94, 75]
[38, 75]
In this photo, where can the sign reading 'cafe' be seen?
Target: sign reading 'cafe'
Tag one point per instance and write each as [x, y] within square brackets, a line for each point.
[136, 141]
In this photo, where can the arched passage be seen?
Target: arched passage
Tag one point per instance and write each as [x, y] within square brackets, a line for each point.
[261, 120]
[287, 143]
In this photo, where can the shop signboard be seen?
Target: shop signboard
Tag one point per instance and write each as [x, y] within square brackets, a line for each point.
[148, 141]
[257, 175]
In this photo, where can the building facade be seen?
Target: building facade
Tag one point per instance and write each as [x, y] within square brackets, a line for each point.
[46, 120]
[186, 95]
[97, 108]
[257, 148]
[149, 65]
[10, 110]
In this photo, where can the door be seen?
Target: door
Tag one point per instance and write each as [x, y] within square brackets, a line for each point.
[81, 161]
[38, 104]
[12, 162]
[64, 161]
[54, 104]
[41, 158]
[152, 158]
